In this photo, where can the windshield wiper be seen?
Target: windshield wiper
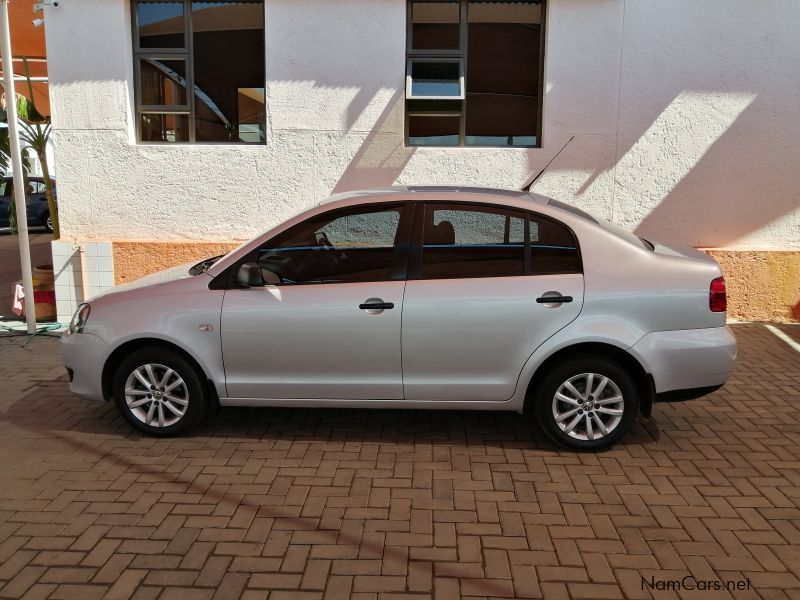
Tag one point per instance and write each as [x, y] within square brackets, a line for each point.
[205, 265]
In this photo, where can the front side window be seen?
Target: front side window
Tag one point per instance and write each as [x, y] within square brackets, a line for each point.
[199, 68]
[474, 73]
[340, 247]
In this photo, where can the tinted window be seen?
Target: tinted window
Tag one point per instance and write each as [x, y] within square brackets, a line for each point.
[209, 88]
[474, 72]
[468, 241]
[553, 248]
[354, 245]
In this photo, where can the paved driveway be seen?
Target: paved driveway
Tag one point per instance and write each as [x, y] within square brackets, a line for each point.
[297, 503]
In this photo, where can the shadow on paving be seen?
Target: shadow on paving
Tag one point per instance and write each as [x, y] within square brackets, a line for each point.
[477, 502]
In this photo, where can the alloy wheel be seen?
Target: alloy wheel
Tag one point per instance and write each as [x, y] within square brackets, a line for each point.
[156, 395]
[588, 406]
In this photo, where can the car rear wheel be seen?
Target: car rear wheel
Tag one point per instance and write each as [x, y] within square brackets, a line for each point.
[587, 403]
[48, 223]
[159, 392]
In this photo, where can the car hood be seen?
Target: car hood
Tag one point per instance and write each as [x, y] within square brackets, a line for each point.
[171, 274]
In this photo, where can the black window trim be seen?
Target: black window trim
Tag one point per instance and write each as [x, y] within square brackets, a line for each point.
[414, 271]
[186, 53]
[227, 279]
[461, 53]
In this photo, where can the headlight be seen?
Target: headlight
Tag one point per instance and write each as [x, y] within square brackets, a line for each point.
[79, 318]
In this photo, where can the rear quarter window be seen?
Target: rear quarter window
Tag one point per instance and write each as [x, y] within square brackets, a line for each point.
[554, 248]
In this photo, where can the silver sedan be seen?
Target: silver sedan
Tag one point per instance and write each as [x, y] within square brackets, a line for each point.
[416, 297]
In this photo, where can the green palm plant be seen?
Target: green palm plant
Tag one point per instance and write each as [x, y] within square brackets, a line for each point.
[35, 130]
[36, 135]
[5, 162]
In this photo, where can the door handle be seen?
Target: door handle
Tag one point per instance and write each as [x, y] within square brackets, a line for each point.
[376, 305]
[553, 298]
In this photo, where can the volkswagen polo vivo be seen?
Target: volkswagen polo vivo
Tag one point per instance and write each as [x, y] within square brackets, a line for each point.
[416, 297]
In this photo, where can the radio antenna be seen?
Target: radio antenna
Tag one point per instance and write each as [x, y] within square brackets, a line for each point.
[527, 186]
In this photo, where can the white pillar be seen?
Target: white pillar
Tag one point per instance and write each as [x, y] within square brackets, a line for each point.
[16, 164]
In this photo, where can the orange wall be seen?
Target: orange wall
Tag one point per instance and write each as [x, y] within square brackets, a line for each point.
[27, 40]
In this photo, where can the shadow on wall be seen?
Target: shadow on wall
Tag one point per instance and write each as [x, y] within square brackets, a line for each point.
[707, 168]
[741, 184]
[383, 155]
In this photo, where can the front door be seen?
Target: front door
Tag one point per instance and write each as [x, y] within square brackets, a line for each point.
[471, 318]
[328, 327]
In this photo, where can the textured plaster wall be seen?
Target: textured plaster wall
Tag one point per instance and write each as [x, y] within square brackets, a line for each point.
[761, 285]
[685, 117]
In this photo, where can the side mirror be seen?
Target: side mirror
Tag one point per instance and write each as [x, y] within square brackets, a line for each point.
[270, 277]
[249, 275]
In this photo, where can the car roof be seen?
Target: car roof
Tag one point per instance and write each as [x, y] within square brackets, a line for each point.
[487, 194]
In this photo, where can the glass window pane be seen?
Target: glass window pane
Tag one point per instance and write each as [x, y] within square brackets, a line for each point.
[434, 25]
[165, 128]
[472, 242]
[161, 24]
[229, 71]
[435, 79]
[355, 246]
[501, 120]
[554, 248]
[503, 85]
[433, 130]
[163, 82]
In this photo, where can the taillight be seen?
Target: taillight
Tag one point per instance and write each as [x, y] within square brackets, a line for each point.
[717, 297]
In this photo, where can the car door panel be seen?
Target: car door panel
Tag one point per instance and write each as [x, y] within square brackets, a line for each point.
[318, 332]
[474, 308]
[312, 341]
[468, 339]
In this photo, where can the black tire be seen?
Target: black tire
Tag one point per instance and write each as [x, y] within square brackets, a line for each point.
[192, 390]
[46, 222]
[545, 397]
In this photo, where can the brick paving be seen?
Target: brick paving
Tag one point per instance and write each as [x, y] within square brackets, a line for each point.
[298, 503]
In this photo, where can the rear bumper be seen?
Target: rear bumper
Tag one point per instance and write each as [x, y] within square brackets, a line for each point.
[84, 355]
[687, 362]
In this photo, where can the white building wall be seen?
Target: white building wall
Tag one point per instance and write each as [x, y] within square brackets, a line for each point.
[684, 118]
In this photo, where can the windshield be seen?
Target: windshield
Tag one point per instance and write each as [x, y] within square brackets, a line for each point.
[608, 226]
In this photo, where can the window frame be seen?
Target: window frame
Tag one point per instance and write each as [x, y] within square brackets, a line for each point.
[429, 59]
[462, 54]
[399, 268]
[186, 53]
[414, 270]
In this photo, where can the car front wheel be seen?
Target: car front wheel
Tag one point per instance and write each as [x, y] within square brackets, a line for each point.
[159, 392]
[587, 403]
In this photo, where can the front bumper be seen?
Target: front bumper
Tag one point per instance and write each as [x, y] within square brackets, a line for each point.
[690, 359]
[84, 355]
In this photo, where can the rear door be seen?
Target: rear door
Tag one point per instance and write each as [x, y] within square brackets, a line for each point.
[476, 302]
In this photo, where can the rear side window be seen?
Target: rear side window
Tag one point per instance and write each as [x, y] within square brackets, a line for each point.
[471, 241]
[554, 248]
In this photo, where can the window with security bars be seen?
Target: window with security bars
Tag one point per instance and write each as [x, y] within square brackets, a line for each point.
[474, 73]
[199, 71]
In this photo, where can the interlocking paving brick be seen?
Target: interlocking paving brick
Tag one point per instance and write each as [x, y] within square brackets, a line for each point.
[274, 503]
